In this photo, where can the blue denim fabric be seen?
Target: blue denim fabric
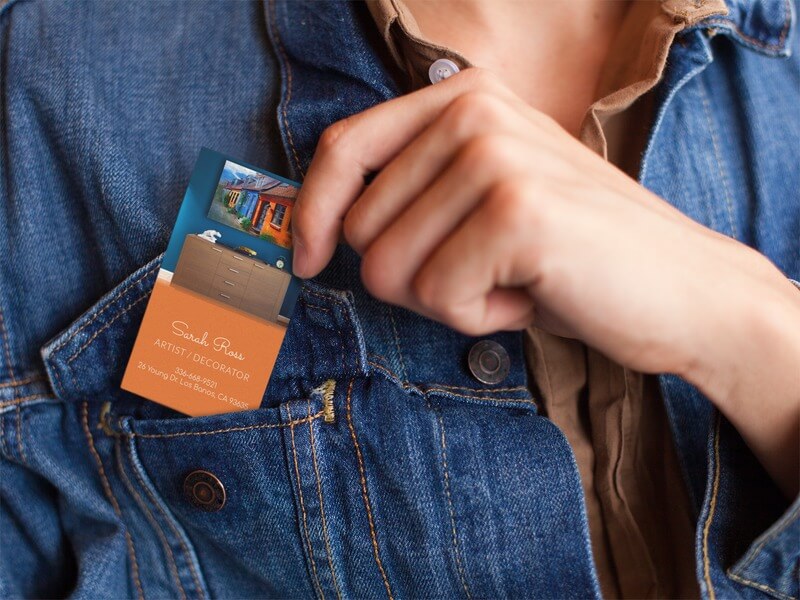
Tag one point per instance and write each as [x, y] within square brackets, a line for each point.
[428, 483]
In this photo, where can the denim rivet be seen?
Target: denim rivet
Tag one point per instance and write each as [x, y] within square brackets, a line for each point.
[204, 490]
[489, 362]
[441, 69]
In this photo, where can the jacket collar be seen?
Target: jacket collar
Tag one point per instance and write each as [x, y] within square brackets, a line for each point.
[765, 26]
[339, 39]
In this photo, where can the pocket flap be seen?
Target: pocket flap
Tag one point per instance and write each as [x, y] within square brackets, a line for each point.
[90, 356]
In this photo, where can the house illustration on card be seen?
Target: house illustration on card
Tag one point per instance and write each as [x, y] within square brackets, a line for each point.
[263, 206]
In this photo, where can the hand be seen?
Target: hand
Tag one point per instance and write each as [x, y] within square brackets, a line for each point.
[486, 215]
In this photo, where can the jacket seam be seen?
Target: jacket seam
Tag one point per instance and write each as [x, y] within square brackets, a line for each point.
[6, 346]
[321, 503]
[404, 380]
[307, 536]
[456, 549]
[711, 510]
[738, 573]
[7, 351]
[21, 400]
[175, 532]
[21, 382]
[108, 324]
[105, 308]
[718, 158]
[760, 586]
[516, 388]
[284, 59]
[445, 390]
[755, 41]
[365, 493]
[778, 530]
[110, 495]
[173, 568]
[226, 430]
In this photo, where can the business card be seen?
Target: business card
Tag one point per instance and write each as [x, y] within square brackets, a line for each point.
[224, 295]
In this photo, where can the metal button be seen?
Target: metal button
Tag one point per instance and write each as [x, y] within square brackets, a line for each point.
[489, 362]
[204, 490]
[442, 69]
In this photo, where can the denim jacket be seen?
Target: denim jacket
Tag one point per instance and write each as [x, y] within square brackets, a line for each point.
[426, 482]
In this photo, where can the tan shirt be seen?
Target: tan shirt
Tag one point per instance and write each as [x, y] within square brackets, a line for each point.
[641, 525]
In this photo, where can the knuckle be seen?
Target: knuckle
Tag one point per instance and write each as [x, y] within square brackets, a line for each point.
[510, 208]
[333, 136]
[484, 150]
[474, 108]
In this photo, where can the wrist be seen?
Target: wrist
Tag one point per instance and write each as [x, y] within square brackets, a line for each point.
[750, 347]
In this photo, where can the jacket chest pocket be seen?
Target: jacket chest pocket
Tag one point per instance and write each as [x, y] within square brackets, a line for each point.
[204, 506]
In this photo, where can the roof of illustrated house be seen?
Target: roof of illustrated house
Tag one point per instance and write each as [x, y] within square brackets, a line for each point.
[254, 183]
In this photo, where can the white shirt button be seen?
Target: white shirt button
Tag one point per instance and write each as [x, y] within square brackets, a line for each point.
[442, 69]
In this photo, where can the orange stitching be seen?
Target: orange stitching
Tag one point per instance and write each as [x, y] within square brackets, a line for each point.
[321, 504]
[781, 526]
[106, 326]
[173, 567]
[518, 388]
[172, 527]
[423, 391]
[330, 297]
[106, 307]
[712, 507]
[21, 400]
[387, 371]
[461, 572]
[58, 383]
[288, 98]
[20, 382]
[779, 530]
[107, 489]
[473, 397]
[760, 586]
[365, 494]
[327, 310]
[229, 429]
[309, 545]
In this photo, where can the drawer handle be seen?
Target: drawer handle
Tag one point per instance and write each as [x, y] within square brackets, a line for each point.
[225, 295]
[237, 257]
[217, 249]
[229, 282]
[232, 269]
[257, 266]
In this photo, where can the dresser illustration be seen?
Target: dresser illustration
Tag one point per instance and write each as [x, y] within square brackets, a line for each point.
[227, 276]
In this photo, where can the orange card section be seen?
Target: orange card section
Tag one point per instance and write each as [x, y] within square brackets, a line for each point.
[199, 356]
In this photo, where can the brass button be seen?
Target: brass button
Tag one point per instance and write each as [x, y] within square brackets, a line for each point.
[489, 362]
[204, 490]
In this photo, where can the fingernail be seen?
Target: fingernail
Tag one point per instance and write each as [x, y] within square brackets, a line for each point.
[300, 258]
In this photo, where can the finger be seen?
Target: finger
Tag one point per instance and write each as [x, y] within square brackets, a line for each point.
[399, 251]
[352, 148]
[475, 282]
[469, 117]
